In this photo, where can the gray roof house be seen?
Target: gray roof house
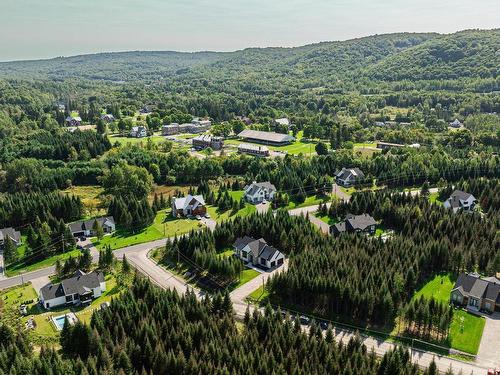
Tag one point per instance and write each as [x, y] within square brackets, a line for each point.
[84, 227]
[10, 232]
[355, 223]
[476, 293]
[460, 200]
[80, 289]
[138, 132]
[258, 252]
[257, 192]
[349, 176]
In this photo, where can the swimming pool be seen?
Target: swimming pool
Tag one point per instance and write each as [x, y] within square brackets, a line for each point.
[59, 320]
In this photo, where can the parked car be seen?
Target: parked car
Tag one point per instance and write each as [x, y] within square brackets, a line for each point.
[323, 324]
[304, 320]
[83, 238]
[207, 215]
[198, 217]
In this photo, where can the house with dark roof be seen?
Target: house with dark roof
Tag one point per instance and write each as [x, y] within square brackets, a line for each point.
[190, 205]
[258, 192]
[78, 290]
[85, 227]
[73, 121]
[460, 200]
[138, 132]
[11, 233]
[108, 118]
[476, 293]
[268, 138]
[349, 176]
[354, 223]
[258, 252]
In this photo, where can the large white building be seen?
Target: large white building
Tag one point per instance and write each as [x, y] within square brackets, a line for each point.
[78, 290]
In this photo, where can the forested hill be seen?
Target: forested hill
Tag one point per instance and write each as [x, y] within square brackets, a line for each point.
[403, 56]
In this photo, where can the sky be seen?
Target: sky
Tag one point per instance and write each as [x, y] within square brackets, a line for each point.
[32, 29]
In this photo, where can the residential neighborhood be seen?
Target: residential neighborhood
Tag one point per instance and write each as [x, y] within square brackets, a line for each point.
[354, 223]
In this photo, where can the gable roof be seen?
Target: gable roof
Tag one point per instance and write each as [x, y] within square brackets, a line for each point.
[471, 284]
[259, 248]
[457, 197]
[360, 221]
[189, 200]
[83, 225]
[354, 173]
[255, 187]
[81, 283]
[10, 232]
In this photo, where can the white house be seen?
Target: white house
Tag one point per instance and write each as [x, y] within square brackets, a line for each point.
[460, 200]
[282, 121]
[85, 227]
[259, 192]
[138, 132]
[190, 205]
[258, 252]
[456, 123]
[349, 176]
[80, 289]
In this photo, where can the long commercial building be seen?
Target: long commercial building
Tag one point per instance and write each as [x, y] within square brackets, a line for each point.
[268, 138]
[255, 150]
[197, 126]
[205, 140]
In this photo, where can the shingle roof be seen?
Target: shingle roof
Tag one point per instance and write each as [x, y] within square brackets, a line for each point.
[82, 284]
[347, 172]
[51, 291]
[79, 226]
[266, 136]
[242, 242]
[360, 221]
[193, 200]
[10, 232]
[254, 187]
[473, 285]
[259, 248]
[479, 288]
[250, 147]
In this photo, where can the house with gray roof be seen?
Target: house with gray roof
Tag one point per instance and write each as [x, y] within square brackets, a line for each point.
[11, 233]
[84, 228]
[460, 200]
[138, 132]
[73, 121]
[258, 192]
[476, 293]
[258, 252]
[78, 290]
[190, 205]
[354, 223]
[268, 138]
[349, 176]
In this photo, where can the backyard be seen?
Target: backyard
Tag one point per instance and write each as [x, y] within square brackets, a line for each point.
[466, 329]
[163, 226]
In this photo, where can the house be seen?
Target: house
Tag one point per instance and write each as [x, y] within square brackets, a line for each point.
[258, 252]
[202, 124]
[387, 145]
[270, 138]
[282, 121]
[11, 233]
[108, 118]
[456, 124]
[379, 123]
[349, 176]
[255, 150]
[205, 140]
[355, 223]
[73, 121]
[84, 228]
[190, 205]
[259, 192]
[476, 293]
[138, 132]
[460, 200]
[78, 290]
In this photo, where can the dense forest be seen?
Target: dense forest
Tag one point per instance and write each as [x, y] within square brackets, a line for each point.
[151, 331]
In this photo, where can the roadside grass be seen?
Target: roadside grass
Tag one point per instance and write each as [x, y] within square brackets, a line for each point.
[439, 288]
[163, 226]
[22, 267]
[259, 295]
[326, 219]
[466, 331]
[309, 201]
[246, 275]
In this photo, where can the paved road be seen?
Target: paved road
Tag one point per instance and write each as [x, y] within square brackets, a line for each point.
[310, 211]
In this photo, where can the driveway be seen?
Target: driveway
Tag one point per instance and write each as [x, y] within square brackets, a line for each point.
[262, 207]
[337, 191]
[39, 282]
[489, 348]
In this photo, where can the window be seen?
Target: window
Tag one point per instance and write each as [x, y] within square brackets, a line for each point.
[69, 298]
[262, 261]
[244, 255]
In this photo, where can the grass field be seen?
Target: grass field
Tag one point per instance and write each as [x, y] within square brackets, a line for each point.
[157, 139]
[236, 195]
[295, 148]
[16, 269]
[309, 201]
[439, 288]
[466, 331]
[247, 275]
[163, 226]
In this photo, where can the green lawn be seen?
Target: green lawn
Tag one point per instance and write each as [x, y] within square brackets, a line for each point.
[433, 198]
[327, 219]
[309, 201]
[226, 253]
[157, 139]
[466, 331]
[247, 275]
[260, 294]
[16, 269]
[438, 287]
[163, 226]
[295, 148]
[216, 215]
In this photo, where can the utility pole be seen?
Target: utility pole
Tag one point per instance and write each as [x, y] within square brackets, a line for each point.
[62, 240]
